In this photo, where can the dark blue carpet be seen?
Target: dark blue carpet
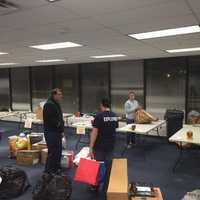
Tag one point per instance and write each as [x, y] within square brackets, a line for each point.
[150, 161]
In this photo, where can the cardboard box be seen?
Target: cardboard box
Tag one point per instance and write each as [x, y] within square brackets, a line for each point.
[118, 183]
[35, 138]
[39, 146]
[66, 160]
[44, 154]
[158, 196]
[28, 157]
[39, 113]
[12, 146]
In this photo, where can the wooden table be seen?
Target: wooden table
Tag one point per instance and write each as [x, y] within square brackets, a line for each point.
[118, 183]
[158, 196]
[180, 137]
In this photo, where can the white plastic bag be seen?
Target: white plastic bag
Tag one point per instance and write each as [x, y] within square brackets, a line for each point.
[82, 154]
[194, 195]
[64, 143]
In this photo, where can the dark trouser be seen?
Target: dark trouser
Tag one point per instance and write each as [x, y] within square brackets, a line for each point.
[106, 157]
[130, 136]
[54, 145]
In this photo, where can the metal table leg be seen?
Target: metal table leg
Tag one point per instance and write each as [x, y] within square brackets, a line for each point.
[157, 130]
[78, 141]
[179, 157]
[83, 142]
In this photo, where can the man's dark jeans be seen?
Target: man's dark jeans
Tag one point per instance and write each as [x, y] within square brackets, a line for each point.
[106, 157]
[54, 144]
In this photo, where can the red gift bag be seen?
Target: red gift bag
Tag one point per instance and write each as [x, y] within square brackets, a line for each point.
[87, 172]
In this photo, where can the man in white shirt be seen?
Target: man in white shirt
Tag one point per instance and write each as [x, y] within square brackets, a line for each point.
[131, 106]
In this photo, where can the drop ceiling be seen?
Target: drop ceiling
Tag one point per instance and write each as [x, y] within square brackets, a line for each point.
[101, 26]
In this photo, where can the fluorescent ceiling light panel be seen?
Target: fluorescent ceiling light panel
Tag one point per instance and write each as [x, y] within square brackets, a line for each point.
[60, 45]
[183, 50]
[109, 56]
[166, 32]
[52, 0]
[3, 53]
[52, 60]
[8, 64]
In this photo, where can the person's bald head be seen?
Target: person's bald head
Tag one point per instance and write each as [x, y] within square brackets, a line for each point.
[57, 95]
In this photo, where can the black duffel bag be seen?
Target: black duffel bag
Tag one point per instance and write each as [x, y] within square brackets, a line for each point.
[53, 187]
[14, 182]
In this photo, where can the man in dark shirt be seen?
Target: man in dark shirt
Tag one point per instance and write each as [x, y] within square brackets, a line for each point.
[103, 135]
[53, 130]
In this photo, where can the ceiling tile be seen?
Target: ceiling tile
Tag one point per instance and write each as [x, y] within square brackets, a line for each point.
[35, 17]
[101, 26]
[149, 13]
[195, 4]
[148, 24]
[95, 7]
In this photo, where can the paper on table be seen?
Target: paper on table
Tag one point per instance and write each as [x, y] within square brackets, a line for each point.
[28, 123]
[143, 189]
[80, 130]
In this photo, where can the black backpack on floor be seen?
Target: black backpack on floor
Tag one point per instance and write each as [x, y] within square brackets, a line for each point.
[53, 187]
[14, 182]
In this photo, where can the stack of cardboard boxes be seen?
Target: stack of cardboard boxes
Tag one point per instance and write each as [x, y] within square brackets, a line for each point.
[30, 152]
[31, 156]
[34, 153]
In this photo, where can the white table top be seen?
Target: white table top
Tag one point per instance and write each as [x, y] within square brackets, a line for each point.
[32, 116]
[87, 125]
[65, 115]
[12, 115]
[181, 135]
[142, 128]
[73, 119]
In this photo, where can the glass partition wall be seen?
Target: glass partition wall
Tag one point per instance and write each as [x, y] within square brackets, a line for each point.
[4, 90]
[165, 85]
[94, 85]
[194, 84]
[66, 78]
[20, 88]
[160, 84]
[126, 76]
[41, 82]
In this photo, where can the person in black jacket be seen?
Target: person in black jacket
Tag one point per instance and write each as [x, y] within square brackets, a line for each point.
[53, 130]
